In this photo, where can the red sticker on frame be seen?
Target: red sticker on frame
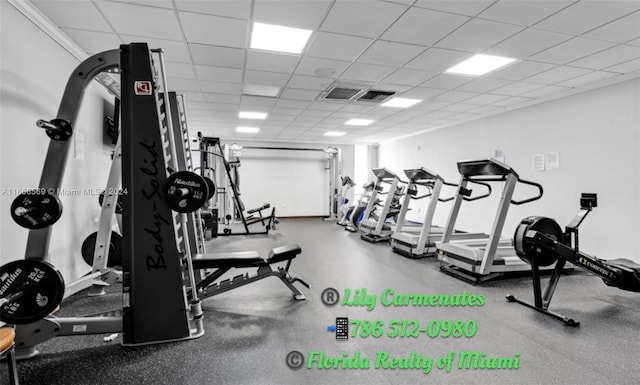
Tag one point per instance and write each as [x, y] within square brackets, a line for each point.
[143, 88]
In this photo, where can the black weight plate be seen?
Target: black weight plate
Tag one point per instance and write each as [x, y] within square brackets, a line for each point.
[36, 210]
[186, 191]
[34, 289]
[118, 202]
[211, 186]
[115, 249]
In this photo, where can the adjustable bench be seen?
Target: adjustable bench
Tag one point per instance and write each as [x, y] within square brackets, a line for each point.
[223, 262]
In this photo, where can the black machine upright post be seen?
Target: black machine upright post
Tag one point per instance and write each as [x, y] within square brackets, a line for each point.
[152, 281]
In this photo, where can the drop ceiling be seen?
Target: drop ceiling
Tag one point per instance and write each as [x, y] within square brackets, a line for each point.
[562, 47]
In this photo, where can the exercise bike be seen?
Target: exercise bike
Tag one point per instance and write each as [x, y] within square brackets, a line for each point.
[540, 241]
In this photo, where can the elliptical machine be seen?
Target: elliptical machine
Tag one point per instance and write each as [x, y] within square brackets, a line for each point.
[540, 241]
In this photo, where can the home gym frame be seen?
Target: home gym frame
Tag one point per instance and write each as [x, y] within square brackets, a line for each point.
[154, 285]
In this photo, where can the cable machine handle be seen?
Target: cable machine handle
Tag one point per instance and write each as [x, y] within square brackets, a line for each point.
[535, 198]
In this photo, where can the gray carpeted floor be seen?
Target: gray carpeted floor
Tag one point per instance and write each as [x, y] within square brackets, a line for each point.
[250, 331]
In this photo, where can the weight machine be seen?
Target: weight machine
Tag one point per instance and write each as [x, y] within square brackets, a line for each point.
[154, 285]
[540, 242]
[212, 158]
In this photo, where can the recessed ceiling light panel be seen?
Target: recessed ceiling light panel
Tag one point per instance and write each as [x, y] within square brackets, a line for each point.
[247, 130]
[252, 115]
[334, 133]
[270, 37]
[359, 122]
[478, 65]
[400, 102]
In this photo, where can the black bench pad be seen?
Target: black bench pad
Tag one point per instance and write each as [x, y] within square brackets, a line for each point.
[283, 253]
[226, 260]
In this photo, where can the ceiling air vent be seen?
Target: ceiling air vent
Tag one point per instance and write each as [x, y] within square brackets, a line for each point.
[342, 93]
[375, 96]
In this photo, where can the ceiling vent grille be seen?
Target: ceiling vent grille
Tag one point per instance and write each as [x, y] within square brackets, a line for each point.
[375, 96]
[342, 93]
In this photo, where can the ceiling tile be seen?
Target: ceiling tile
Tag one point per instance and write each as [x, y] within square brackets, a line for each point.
[446, 81]
[222, 107]
[436, 59]
[309, 82]
[423, 26]
[175, 51]
[178, 85]
[217, 56]
[324, 67]
[571, 50]
[180, 70]
[489, 110]
[478, 35]
[221, 98]
[392, 54]
[523, 12]
[266, 78]
[193, 96]
[521, 70]
[517, 88]
[301, 104]
[239, 9]
[148, 3]
[215, 30]
[634, 42]
[463, 7]
[621, 30]
[485, 99]
[609, 57]
[295, 94]
[326, 106]
[557, 75]
[93, 42]
[409, 77]
[459, 107]
[259, 101]
[455, 96]
[286, 111]
[219, 74]
[545, 91]
[588, 78]
[74, 14]
[512, 101]
[267, 61]
[584, 16]
[483, 85]
[137, 20]
[360, 108]
[316, 113]
[528, 42]
[423, 93]
[221, 87]
[352, 18]
[334, 46]
[366, 72]
[626, 67]
[296, 14]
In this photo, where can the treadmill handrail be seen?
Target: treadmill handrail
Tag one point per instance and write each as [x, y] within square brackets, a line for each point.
[488, 186]
[444, 182]
[535, 198]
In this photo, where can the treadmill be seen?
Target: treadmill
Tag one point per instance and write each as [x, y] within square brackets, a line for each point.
[373, 225]
[479, 261]
[422, 244]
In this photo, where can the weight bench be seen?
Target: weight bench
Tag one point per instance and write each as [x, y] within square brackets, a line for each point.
[223, 262]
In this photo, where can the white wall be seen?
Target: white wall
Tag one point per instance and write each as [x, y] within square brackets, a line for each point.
[596, 134]
[295, 182]
[33, 73]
